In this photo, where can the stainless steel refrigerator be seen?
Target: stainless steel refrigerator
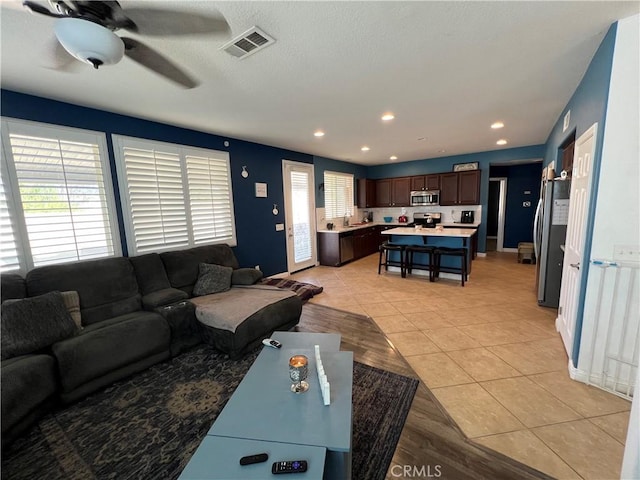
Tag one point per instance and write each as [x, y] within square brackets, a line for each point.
[549, 233]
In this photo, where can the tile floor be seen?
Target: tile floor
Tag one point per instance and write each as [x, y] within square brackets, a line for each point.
[492, 358]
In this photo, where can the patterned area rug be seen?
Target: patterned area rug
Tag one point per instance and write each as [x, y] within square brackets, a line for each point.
[304, 290]
[148, 426]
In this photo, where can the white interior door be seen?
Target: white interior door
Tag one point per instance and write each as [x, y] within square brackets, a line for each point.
[299, 215]
[576, 233]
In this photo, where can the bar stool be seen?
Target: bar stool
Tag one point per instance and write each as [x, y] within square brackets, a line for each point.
[387, 247]
[410, 264]
[453, 252]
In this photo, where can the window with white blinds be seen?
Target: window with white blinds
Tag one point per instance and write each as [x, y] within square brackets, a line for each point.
[57, 204]
[338, 194]
[173, 196]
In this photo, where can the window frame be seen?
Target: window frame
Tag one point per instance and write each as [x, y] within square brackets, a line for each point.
[120, 142]
[12, 189]
[350, 204]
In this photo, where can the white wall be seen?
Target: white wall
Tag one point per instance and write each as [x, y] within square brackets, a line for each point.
[617, 220]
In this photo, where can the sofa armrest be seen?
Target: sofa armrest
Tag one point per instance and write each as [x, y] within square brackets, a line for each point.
[162, 297]
[245, 276]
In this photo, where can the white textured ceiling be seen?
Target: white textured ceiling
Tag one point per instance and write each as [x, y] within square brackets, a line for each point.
[447, 70]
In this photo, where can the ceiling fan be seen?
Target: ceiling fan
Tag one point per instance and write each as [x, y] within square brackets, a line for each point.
[85, 30]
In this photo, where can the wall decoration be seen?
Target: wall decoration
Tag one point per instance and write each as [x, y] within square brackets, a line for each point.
[463, 167]
[261, 190]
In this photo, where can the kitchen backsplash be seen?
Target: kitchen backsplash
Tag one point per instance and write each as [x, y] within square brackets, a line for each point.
[449, 214]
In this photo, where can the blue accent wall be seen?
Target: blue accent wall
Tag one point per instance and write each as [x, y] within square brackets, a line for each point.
[519, 219]
[588, 105]
[258, 241]
[445, 164]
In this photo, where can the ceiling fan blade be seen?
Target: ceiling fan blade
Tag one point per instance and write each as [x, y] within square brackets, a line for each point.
[149, 58]
[155, 21]
[107, 13]
[37, 8]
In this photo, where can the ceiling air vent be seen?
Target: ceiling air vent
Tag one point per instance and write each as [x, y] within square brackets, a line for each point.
[248, 43]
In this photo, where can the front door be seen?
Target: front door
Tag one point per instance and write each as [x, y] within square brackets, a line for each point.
[576, 234]
[300, 222]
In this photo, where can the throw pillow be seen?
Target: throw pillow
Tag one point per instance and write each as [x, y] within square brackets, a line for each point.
[71, 301]
[31, 324]
[245, 276]
[212, 279]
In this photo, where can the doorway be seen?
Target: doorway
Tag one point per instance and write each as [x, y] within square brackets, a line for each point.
[496, 214]
[299, 205]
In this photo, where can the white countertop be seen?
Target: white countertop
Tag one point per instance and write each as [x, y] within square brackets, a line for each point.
[431, 232]
[352, 227]
[357, 226]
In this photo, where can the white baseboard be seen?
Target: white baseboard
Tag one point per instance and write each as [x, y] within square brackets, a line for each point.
[619, 388]
[481, 254]
[510, 250]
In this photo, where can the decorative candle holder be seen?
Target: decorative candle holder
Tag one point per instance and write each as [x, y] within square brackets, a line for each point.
[298, 372]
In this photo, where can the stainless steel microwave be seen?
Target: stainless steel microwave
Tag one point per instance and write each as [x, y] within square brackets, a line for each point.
[425, 197]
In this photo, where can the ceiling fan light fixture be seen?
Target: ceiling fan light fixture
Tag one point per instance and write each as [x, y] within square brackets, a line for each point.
[89, 42]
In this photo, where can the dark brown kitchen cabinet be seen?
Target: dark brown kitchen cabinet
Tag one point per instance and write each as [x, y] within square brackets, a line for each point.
[425, 182]
[460, 188]
[365, 242]
[383, 192]
[469, 188]
[366, 193]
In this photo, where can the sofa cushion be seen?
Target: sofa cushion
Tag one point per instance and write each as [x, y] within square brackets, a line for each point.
[27, 381]
[150, 273]
[107, 287]
[12, 285]
[245, 276]
[100, 349]
[31, 324]
[163, 297]
[183, 267]
[212, 279]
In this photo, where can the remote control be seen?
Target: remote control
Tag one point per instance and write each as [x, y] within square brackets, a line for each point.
[295, 466]
[258, 458]
[271, 343]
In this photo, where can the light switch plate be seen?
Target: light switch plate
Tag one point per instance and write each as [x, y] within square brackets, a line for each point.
[279, 227]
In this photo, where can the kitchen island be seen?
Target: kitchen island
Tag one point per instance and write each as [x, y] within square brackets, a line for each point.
[447, 237]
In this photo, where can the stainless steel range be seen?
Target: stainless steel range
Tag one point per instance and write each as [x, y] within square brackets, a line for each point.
[427, 220]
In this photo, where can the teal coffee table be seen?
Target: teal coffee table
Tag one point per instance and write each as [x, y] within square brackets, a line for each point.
[264, 409]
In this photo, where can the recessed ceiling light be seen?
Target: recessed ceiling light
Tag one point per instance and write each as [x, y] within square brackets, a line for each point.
[497, 125]
[393, 157]
[318, 133]
[388, 116]
[502, 141]
[365, 149]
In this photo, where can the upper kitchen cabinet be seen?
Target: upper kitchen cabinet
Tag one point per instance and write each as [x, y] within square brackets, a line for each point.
[393, 192]
[460, 188]
[425, 182]
[366, 193]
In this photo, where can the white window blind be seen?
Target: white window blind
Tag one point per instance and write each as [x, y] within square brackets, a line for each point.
[173, 196]
[9, 254]
[338, 194]
[300, 191]
[61, 207]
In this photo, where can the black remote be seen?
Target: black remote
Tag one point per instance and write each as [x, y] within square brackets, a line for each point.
[295, 466]
[258, 458]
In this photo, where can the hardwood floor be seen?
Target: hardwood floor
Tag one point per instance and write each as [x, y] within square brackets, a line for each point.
[431, 445]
